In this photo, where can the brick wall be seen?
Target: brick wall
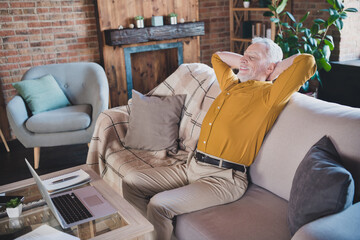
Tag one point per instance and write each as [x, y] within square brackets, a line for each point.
[37, 32]
[215, 14]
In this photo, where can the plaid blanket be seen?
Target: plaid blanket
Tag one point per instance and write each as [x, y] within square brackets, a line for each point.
[107, 154]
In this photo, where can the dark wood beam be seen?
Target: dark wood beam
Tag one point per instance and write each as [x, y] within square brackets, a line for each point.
[116, 37]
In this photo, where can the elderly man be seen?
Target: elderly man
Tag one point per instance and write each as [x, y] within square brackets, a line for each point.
[231, 135]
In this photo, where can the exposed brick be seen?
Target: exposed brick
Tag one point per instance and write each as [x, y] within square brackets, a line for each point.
[7, 33]
[8, 67]
[26, 18]
[15, 39]
[5, 18]
[18, 59]
[4, 5]
[39, 24]
[22, 4]
[42, 10]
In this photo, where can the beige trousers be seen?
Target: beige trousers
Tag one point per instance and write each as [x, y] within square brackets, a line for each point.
[165, 192]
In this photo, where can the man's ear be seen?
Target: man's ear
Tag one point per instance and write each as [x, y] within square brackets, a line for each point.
[270, 69]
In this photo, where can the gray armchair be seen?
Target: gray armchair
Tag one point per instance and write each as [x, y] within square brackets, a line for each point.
[85, 85]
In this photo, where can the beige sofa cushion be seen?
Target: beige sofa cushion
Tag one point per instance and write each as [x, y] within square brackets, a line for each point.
[258, 215]
[301, 124]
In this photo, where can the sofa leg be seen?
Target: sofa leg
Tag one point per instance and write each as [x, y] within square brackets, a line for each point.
[36, 157]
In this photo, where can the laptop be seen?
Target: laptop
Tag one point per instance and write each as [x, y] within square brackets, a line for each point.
[76, 206]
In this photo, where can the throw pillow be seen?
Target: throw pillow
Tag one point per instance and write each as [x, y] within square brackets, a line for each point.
[42, 94]
[321, 186]
[154, 122]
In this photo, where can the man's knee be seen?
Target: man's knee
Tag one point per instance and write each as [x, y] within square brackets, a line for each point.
[159, 205]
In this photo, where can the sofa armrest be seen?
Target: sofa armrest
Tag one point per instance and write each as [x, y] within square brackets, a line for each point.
[344, 225]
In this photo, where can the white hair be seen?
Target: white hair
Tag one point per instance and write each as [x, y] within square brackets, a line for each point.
[274, 52]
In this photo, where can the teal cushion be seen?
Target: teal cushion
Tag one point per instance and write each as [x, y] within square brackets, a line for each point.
[42, 94]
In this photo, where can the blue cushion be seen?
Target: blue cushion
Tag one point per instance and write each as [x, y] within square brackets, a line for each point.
[42, 94]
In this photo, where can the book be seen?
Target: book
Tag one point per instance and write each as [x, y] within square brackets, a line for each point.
[66, 181]
[46, 232]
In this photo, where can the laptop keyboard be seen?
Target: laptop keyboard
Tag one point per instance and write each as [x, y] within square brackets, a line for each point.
[71, 208]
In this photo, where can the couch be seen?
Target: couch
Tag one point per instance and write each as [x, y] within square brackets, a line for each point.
[262, 213]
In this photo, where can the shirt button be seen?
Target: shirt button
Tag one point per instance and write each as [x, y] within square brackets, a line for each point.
[227, 93]
[210, 124]
[204, 142]
[218, 107]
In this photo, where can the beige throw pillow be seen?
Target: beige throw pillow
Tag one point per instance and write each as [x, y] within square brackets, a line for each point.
[154, 122]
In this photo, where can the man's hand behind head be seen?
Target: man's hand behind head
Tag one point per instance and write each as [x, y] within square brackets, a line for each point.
[282, 66]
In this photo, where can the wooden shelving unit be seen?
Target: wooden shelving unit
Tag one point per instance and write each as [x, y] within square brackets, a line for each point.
[237, 16]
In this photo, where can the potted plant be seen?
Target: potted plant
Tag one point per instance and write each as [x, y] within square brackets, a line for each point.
[14, 208]
[294, 37]
[139, 21]
[246, 3]
[172, 18]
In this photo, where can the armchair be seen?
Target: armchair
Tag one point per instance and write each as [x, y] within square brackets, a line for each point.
[85, 85]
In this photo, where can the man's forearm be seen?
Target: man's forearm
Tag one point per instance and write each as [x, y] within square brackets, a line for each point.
[230, 58]
[282, 66]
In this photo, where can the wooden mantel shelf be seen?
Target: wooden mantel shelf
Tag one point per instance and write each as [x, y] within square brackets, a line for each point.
[116, 37]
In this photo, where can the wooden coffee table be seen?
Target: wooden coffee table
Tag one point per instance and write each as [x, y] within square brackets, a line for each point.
[127, 223]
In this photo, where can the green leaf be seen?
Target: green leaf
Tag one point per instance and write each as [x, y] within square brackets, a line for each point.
[290, 16]
[272, 8]
[304, 17]
[332, 19]
[329, 43]
[307, 33]
[293, 39]
[285, 48]
[294, 51]
[268, 14]
[331, 2]
[285, 25]
[281, 6]
[343, 15]
[339, 24]
[319, 21]
[317, 54]
[338, 5]
[317, 76]
[326, 52]
[274, 20]
[307, 48]
[305, 87]
[330, 38]
[315, 28]
[325, 64]
[351, 10]
[312, 42]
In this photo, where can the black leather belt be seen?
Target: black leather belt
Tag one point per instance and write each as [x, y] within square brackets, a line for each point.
[213, 161]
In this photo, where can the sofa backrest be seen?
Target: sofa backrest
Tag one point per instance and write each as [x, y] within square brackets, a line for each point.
[301, 124]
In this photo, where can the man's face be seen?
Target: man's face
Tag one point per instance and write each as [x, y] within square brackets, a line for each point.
[254, 64]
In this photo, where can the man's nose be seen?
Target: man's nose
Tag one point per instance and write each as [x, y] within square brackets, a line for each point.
[243, 60]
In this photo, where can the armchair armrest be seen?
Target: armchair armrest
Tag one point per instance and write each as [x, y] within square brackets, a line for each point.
[17, 115]
[344, 225]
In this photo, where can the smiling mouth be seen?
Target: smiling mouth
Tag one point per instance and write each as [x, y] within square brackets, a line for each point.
[243, 69]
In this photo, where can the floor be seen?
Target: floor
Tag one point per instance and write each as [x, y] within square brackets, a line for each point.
[13, 168]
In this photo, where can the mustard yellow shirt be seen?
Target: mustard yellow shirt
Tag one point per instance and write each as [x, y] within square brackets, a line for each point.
[237, 121]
